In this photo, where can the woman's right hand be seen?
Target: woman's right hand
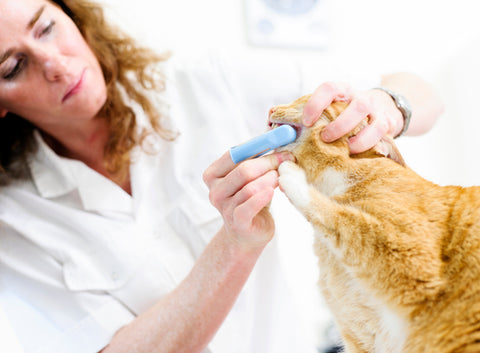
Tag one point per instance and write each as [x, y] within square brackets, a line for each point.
[241, 192]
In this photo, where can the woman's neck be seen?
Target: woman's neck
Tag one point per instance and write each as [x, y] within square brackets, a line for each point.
[87, 144]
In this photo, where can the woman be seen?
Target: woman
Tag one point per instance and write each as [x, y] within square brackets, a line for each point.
[108, 240]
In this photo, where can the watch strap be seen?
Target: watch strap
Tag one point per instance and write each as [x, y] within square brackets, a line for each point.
[402, 105]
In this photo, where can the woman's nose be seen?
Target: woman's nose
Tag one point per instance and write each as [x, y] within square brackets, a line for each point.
[54, 65]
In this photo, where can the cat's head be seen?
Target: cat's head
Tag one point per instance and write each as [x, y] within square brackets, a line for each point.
[309, 146]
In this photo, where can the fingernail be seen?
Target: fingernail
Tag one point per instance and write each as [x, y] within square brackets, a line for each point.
[326, 136]
[306, 119]
[287, 156]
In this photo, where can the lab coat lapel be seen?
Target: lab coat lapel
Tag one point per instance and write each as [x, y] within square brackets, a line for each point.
[55, 176]
[49, 177]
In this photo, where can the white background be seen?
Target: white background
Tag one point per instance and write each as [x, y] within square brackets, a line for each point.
[436, 39]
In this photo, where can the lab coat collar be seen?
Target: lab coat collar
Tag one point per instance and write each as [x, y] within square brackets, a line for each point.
[50, 178]
[55, 176]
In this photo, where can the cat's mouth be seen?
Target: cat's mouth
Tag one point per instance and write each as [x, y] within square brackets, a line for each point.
[298, 128]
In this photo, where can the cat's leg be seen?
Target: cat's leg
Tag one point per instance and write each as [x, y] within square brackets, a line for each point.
[324, 214]
[315, 206]
[293, 183]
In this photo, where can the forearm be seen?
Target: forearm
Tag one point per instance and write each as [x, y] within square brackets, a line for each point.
[426, 104]
[186, 319]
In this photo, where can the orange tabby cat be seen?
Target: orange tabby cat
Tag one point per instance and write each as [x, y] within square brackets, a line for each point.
[399, 256]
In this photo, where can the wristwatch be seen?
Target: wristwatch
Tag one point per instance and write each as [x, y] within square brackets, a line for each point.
[402, 105]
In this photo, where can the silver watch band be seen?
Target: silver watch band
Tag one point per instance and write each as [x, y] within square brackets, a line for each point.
[402, 105]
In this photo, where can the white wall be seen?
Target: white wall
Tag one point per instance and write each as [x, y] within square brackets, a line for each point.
[434, 38]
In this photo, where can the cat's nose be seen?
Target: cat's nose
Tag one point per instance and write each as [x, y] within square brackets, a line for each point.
[272, 110]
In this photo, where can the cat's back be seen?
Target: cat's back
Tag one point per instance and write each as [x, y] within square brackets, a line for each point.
[451, 323]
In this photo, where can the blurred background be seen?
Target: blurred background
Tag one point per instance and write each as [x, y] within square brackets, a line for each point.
[437, 39]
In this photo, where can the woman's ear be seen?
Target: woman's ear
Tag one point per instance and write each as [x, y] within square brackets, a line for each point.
[3, 112]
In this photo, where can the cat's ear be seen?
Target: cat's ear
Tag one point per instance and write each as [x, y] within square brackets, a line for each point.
[386, 147]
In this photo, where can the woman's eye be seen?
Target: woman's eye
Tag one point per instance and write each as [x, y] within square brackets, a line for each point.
[47, 28]
[11, 74]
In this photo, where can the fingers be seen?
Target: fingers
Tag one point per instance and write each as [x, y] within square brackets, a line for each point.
[248, 202]
[364, 140]
[356, 111]
[372, 104]
[369, 136]
[242, 191]
[218, 169]
[247, 211]
[266, 181]
[323, 96]
[225, 179]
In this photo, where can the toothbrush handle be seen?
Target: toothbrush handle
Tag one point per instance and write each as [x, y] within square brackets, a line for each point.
[264, 143]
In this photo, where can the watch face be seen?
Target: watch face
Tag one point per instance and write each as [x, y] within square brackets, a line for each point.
[402, 102]
[291, 7]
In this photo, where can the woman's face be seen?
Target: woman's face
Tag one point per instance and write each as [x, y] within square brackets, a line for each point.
[48, 74]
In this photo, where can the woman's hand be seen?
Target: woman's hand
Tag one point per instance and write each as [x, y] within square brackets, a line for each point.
[241, 193]
[383, 116]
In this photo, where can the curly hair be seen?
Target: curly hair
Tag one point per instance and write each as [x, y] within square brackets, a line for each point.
[128, 69]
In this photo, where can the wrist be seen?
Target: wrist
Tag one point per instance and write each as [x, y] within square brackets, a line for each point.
[239, 247]
[403, 106]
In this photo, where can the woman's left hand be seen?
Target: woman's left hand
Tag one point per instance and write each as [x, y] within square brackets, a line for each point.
[383, 116]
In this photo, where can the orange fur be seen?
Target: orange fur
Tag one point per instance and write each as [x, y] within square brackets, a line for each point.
[399, 256]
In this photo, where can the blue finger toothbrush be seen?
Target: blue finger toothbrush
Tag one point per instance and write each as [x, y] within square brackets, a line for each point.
[278, 137]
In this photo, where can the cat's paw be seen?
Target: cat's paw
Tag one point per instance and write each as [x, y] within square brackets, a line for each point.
[294, 184]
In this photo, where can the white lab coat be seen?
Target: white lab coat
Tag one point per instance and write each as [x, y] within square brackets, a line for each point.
[80, 258]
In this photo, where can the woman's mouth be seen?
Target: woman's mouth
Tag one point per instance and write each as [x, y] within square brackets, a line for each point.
[74, 88]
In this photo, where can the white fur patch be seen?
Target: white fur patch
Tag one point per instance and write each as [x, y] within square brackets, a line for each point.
[391, 330]
[333, 182]
[294, 184]
[394, 331]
